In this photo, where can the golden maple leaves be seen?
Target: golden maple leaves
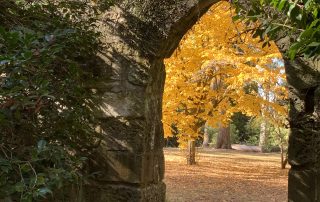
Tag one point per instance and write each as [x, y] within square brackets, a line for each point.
[220, 69]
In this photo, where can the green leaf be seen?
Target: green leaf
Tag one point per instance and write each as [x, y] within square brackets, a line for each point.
[41, 145]
[41, 180]
[315, 13]
[293, 50]
[274, 3]
[299, 17]
[44, 191]
[314, 44]
[5, 166]
[235, 18]
[25, 168]
[293, 10]
[281, 5]
[26, 55]
[314, 23]
[307, 3]
[291, 7]
[19, 187]
[307, 34]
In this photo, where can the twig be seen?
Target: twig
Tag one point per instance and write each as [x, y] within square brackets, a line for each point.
[22, 180]
[1, 146]
[35, 174]
[287, 26]
[238, 32]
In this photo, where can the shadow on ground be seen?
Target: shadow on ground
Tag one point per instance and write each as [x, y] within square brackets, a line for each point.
[225, 176]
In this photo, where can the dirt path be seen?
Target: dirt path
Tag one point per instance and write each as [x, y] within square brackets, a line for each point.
[225, 176]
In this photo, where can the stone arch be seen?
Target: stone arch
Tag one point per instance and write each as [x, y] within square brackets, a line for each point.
[138, 35]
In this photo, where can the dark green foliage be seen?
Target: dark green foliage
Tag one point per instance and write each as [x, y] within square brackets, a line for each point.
[299, 20]
[253, 131]
[240, 121]
[172, 140]
[47, 128]
[213, 133]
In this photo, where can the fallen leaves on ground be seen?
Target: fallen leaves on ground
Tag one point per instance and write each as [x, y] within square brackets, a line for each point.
[225, 175]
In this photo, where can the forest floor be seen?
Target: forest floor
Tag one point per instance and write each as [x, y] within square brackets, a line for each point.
[225, 176]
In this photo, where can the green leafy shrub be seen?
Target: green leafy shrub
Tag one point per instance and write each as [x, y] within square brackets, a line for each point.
[239, 131]
[47, 128]
[234, 134]
[253, 131]
[277, 138]
[298, 20]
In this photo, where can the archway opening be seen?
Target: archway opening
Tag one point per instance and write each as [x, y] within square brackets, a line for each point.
[225, 90]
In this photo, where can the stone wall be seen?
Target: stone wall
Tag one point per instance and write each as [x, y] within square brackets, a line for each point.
[138, 35]
[304, 141]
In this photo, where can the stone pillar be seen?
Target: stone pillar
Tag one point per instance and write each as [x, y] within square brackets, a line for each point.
[138, 35]
[304, 140]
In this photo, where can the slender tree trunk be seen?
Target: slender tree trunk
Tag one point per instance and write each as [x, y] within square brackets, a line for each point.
[191, 158]
[205, 136]
[284, 160]
[264, 126]
[281, 149]
[263, 135]
[223, 138]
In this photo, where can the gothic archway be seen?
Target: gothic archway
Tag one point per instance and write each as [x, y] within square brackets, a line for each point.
[138, 36]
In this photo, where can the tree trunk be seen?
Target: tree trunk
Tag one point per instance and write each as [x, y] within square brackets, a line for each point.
[284, 160]
[191, 158]
[223, 138]
[263, 135]
[205, 136]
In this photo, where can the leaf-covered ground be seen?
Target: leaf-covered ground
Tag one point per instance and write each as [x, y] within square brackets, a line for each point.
[225, 175]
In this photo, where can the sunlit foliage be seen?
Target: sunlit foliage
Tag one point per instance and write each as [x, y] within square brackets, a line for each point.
[218, 70]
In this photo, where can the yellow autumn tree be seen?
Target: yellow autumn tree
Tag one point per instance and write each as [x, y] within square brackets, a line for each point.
[212, 74]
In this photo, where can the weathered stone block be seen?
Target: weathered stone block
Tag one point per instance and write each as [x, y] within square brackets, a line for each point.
[123, 134]
[123, 104]
[301, 150]
[304, 186]
[128, 167]
[126, 193]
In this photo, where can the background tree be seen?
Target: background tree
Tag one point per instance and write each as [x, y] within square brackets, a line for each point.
[208, 76]
[240, 121]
